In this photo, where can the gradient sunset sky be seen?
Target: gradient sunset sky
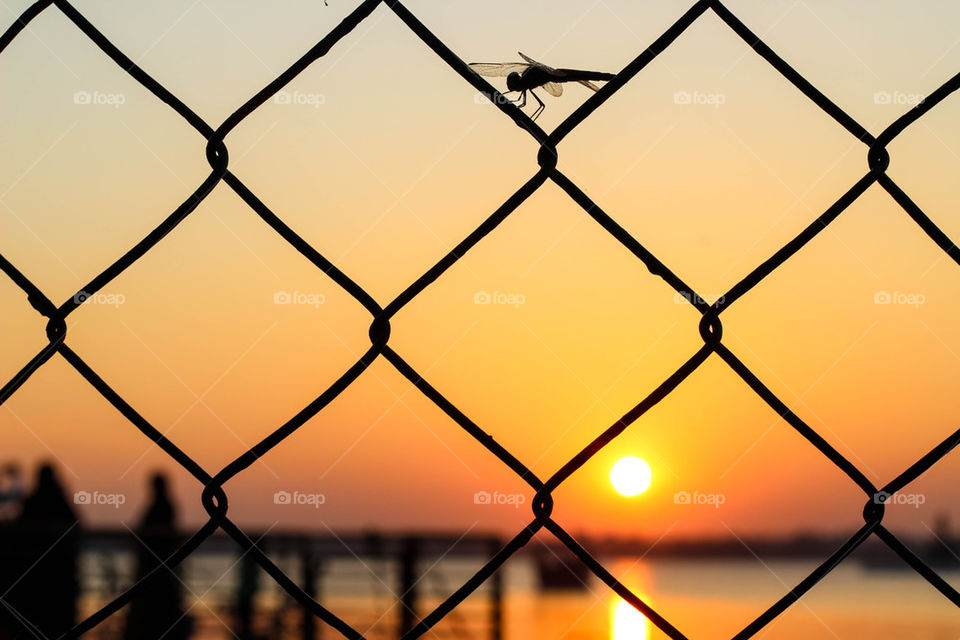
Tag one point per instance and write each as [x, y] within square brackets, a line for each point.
[385, 159]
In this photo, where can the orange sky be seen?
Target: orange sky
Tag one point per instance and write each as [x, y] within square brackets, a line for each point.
[386, 164]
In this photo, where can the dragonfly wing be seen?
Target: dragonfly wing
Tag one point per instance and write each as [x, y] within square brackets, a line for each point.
[589, 85]
[527, 58]
[553, 88]
[498, 70]
[534, 63]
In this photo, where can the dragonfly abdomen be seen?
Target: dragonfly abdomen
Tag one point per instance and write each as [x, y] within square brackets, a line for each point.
[576, 75]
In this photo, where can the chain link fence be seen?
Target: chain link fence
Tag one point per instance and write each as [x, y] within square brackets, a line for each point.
[215, 500]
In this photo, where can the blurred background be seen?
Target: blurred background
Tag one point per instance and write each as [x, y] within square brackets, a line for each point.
[544, 334]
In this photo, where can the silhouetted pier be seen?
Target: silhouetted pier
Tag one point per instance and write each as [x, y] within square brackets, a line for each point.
[312, 554]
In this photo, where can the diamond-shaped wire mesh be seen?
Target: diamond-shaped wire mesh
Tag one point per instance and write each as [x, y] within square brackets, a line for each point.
[214, 498]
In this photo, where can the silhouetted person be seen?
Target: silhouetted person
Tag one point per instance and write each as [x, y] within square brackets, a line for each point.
[158, 611]
[40, 568]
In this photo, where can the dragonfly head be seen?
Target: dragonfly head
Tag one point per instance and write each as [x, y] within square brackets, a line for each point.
[513, 82]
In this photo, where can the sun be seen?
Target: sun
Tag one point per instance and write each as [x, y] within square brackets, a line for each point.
[630, 476]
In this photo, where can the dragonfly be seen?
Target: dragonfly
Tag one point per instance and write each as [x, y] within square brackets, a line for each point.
[529, 75]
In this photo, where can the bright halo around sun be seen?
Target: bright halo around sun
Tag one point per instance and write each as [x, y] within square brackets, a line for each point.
[630, 476]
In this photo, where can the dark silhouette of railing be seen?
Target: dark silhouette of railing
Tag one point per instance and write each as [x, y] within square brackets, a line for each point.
[214, 498]
[312, 555]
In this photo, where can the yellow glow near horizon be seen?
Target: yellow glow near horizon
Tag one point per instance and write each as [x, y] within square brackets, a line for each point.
[630, 476]
[628, 623]
[533, 321]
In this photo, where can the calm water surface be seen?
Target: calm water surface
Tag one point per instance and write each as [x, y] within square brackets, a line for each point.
[704, 599]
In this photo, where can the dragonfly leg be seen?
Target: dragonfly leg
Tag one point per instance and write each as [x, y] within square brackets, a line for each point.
[522, 99]
[513, 100]
[540, 108]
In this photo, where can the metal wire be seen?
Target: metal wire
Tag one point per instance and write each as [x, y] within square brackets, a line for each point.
[214, 499]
